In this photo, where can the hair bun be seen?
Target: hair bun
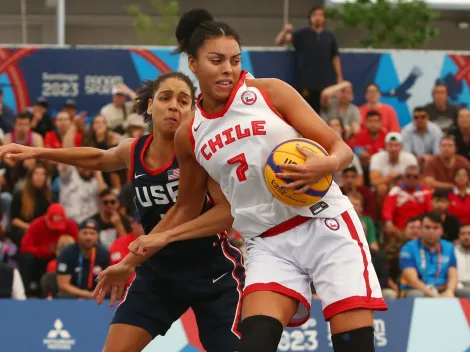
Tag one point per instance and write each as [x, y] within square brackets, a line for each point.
[187, 24]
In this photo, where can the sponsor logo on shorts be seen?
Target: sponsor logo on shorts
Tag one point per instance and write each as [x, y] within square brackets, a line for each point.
[332, 224]
[249, 97]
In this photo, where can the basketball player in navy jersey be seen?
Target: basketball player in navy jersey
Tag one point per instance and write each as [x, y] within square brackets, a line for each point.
[205, 274]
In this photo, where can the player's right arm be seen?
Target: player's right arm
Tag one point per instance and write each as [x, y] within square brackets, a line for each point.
[91, 158]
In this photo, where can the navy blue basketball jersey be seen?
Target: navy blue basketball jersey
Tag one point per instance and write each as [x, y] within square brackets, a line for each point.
[156, 192]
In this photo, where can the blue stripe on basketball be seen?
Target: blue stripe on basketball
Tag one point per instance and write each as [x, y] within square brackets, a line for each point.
[309, 142]
[278, 170]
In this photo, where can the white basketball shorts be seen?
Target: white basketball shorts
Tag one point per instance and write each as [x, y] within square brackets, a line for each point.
[331, 253]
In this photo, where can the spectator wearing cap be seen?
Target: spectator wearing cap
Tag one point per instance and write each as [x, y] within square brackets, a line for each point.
[119, 109]
[350, 183]
[40, 240]
[22, 132]
[135, 127]
[462, 254]
[112, 224]
[461, 133]
[388, 166]
[459, 197]
[421, 137]
[387, 112]
[450, 223]
[63, 123]
[405, 200]
[70, 107]
[440, 169]
[80, 263]
[441, 112]
[7, 115]
[41, 121]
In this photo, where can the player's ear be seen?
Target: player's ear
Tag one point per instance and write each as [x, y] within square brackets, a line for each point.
[149, 106]
[192, 63]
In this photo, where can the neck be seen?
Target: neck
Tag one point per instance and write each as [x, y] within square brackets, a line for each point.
[373, 104]
[441, 105]
[317, 28]
[86, 252]
[161, 145]
[463, 190]
[374, 135]
[429, 246]
[421, 129]
[447, 159]
[465, 131]
[466, 247]
[212, 106]
[393, 159]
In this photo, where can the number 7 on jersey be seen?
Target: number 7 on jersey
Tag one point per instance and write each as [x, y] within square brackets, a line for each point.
[242, 168]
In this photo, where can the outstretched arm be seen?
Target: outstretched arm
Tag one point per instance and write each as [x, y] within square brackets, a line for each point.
[91, 158]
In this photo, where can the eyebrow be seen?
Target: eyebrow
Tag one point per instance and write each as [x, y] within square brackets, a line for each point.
[171, 91]
[220, 54]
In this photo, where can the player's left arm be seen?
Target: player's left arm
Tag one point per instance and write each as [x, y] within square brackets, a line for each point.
[290, 104]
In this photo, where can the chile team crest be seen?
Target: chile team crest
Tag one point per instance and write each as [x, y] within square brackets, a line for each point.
[249, 97]
[332, 224]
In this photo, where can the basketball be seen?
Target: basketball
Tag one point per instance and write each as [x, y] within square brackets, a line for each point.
[287, 153]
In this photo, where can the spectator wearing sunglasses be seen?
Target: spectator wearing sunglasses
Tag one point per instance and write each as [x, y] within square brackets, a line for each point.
[112, 224]
[421, 137]
[407, 199]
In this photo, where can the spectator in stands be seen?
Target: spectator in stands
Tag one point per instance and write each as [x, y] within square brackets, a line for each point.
[412, 229]
[126, 200]
[41, 121]
[428, 264]
[461, 133]
[450, 223]
[31, 202]
[350, 182]
[318, 64]
[64, 241]
[440, 169]
[387, 167]
[22, 133]
[80, 263]
[367, 223]
[421, 137]
[116, 112]
[40, 241]
[70, 107]
[79, 191]
[441, 112]
[63, 124]
[405, 200]
[112, 224]
[459, 198]
[135, 127]
[119, 249]
[462, 254]
[387, 112]
[11, 285]
[7, 115]
[336, 102]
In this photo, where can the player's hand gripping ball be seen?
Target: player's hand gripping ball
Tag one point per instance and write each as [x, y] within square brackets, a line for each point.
[292, 153]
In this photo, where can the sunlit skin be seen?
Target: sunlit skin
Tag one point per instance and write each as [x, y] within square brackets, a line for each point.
[218, 62]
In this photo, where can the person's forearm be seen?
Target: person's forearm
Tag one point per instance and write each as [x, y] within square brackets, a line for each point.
[337, 67]
[433, 183]
[86, 157]
[20, 223]
[343, 155]
[417, 284]
[452, 281]
[280, 38]
[73, 290]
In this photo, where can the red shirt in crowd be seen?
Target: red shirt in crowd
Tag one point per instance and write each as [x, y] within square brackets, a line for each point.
[39, 239]
[51, 266]
[402, 204]
[363, 141]
[460, 206]
[53, 140]
[389, 117]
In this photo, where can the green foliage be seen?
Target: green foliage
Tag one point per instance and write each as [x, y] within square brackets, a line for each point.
[389, 23]
[160, 31]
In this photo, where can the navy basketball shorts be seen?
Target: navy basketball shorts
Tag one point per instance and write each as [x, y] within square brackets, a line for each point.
[159, 295]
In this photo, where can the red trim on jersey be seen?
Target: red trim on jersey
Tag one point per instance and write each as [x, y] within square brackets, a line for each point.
[239, 286]
[127, 291]
[276, 287]
[354, 302]
[154, 172]
[131, 166]
[270, 105]
[222, 112]
[191, 136]
[285, 226]
[353, 232]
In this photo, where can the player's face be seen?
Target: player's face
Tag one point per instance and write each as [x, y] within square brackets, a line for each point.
[431, 232]
[88, 238]
[412, 230]
[461, 178]
[63, 121]
[464, 236]
[170, 106]
[217, 67]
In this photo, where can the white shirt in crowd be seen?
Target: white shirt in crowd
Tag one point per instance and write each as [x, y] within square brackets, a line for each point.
[114, 116]
[381, 162]
[17, 290]
[78, 196]
[463, 265]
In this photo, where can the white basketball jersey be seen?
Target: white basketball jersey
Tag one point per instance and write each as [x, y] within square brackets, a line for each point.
[233, 147]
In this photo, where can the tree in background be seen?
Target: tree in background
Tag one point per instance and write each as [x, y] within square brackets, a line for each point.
[160, 31]
[403, 24]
